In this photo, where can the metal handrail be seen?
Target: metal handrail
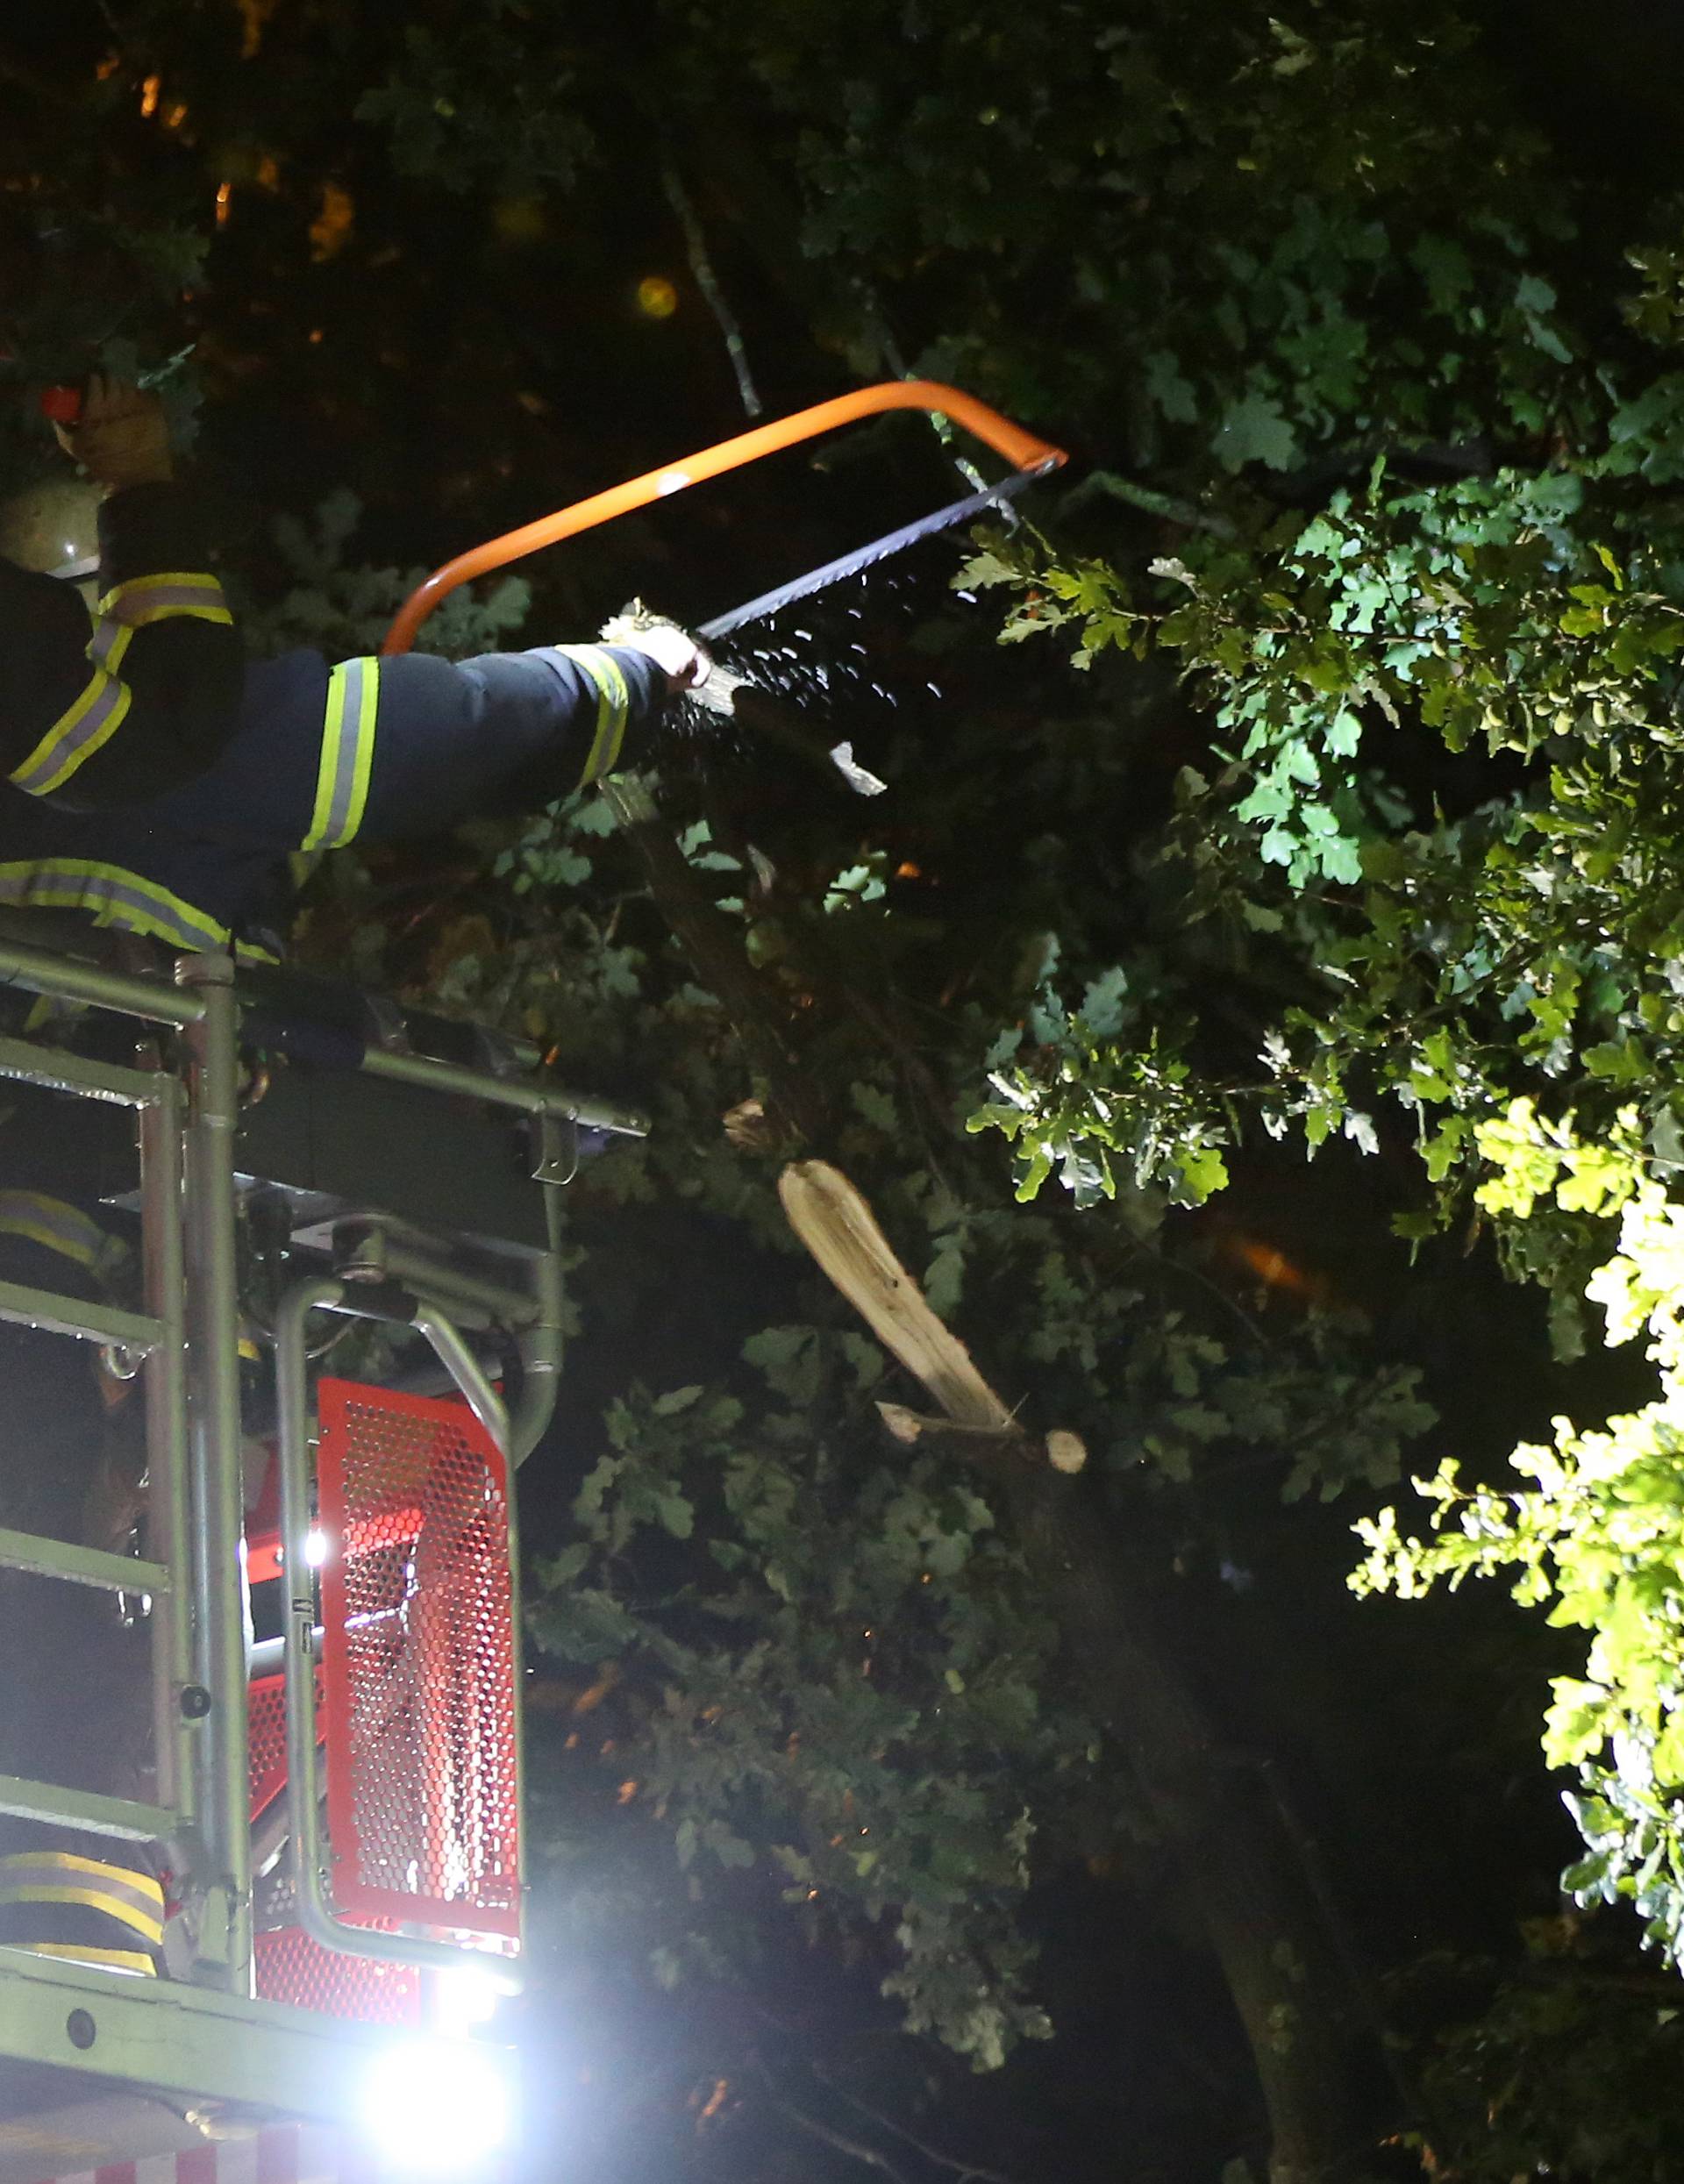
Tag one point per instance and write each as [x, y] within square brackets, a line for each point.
[526, 1098]
[39, 971]
[158, 1335]
[169, 1515]
[222, 1631]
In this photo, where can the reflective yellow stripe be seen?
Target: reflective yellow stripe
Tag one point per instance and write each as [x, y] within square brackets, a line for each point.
[49, 1222]
[107, 1959]
[75, 736]
[613, 708]
[110, 895]
[104, 702]
[347, 754]
[160, 598]
[87, 1899]
[129, 1895]
[143, 1883]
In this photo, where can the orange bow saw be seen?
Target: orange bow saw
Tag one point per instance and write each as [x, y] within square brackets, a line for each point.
[1030, 457]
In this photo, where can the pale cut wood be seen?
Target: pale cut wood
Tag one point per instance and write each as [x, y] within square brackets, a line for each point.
[838, 1228]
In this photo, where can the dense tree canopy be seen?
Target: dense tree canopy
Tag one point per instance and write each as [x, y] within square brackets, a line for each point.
[1323, 798]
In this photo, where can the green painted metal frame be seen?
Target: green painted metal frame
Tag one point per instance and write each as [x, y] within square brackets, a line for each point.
[189, 2041]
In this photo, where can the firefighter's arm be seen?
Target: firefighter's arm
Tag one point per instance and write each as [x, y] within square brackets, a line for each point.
[592, 700]
[415, 743]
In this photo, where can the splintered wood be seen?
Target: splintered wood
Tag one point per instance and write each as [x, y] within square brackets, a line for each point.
[838, 1228]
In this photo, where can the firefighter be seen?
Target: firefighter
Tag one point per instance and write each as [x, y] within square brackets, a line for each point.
[166, 799]
[299, 755]
[109, 711]
[323, 755]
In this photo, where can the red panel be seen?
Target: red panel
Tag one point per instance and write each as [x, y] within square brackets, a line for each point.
[419, 1655]
[266, 1737]
[290, 1967]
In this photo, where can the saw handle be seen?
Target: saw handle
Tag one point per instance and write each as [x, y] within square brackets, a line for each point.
[1020, 449]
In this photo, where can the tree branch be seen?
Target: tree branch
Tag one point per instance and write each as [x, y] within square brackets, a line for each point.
[715, 950]
[856, 2148]
[701, 267]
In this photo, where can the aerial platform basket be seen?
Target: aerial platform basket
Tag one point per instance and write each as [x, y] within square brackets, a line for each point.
[338, 1808]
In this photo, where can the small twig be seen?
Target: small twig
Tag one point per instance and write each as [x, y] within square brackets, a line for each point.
[940, 426]
[855, 2147]
[965, 2170]
[696, 244]
[1170, 506]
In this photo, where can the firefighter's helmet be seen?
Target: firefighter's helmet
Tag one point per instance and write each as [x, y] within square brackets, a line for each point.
[53, 528]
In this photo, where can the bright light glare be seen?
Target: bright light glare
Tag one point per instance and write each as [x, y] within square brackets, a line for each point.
[316, 1548]
[465, 1996]
[435, 2106]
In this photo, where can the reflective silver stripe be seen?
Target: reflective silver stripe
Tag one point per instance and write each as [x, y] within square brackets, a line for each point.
[39, 1219]
[112, 638]
[613, 708]
[347, 754]
[75, 737]
[111, 896]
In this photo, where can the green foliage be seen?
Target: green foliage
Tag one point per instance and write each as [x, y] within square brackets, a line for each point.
[827, 1708]
[464, 107]
[1597, 1536]
[1547, 2064]
[345, 607]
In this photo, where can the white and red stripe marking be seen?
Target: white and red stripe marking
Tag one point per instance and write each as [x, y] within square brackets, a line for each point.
[291, 2153]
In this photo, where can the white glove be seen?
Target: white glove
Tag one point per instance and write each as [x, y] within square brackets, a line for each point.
[676, 653]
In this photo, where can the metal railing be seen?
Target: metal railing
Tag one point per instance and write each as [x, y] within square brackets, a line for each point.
[187, 1336]
[183, 1817]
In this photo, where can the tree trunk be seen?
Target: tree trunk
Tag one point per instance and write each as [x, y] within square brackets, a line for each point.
[1240, 1874]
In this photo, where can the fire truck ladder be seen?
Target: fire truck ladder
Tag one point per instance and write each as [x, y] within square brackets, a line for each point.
[404, 1562]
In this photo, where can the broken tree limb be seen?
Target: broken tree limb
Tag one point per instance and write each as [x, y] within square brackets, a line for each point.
[715, 949]
[833, 1220]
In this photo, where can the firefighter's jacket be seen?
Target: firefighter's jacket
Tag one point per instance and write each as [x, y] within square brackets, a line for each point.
[367, 751]
[112, 711]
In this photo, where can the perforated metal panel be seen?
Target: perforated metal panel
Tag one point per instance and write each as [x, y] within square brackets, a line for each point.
[266, 1738]
[290, 1967]
[418, 1657]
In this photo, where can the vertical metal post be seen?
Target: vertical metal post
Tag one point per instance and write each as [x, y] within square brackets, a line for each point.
[218, 1486]
[169, 1520]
